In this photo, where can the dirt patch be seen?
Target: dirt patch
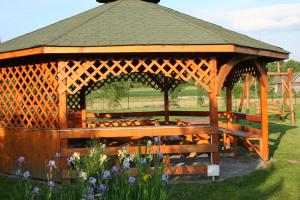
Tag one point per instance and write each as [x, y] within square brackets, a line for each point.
[294, 161]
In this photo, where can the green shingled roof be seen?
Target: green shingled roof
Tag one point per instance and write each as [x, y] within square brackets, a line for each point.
[132, 22]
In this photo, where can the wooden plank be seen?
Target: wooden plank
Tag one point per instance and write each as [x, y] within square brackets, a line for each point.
[260, 52]
[21, 53]
[137, 131]
[142, 48]
[184, 170]
[278, 73]
[146, 49]
[248, 117]
[194, 121]
[124, 114]
[38, 147]
[150, 114]
[165, 149]
[189, 113]
[252, 132]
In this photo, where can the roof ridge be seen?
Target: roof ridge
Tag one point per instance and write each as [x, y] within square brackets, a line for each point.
[74, 28]
[166, 10]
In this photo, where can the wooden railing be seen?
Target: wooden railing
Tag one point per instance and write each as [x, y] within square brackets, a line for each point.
[139, 133]
[151, 114]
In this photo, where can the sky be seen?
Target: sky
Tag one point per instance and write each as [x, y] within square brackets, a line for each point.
[273, 21]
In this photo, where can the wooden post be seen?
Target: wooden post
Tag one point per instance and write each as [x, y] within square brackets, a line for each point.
[228, 115]
[213, 106]
[229, 107]
[63, 122]
[246, 85]
[247, 93]
[166, 98]
[83, 107]
[264, 142]
[289, 83]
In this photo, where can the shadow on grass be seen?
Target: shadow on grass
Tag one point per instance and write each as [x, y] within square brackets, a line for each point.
[276, 132]
[252, 186]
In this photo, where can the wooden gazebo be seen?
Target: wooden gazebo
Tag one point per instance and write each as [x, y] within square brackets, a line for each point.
[46, 75]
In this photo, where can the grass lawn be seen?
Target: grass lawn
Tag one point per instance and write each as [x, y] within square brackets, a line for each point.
[280, 180]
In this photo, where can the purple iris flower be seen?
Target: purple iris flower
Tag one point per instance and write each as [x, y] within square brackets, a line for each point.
[131, 180]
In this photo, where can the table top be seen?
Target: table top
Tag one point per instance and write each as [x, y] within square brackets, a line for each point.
[123, 122]
[194, 121]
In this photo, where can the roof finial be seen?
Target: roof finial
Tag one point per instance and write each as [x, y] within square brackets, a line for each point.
[108, 1]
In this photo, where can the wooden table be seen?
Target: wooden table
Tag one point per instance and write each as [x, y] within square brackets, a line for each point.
[123, 122]
[193, 121]
[199, 138]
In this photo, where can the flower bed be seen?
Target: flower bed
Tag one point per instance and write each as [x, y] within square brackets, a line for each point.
[98, 176]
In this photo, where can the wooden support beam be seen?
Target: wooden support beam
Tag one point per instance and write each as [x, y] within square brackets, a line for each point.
[145, 49]
[166, 99]
[247, 93]
[63, 122]
[226, 141]
[213, 108]
[83, 107]
[264, 143]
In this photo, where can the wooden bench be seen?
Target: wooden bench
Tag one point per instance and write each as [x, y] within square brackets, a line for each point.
[240, 133]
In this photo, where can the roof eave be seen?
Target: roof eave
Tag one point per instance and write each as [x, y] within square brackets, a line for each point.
[228, 48]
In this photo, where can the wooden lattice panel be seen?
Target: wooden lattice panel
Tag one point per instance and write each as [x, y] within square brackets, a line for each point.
[237, 73]
[73, 101]
[74, 75]
[29, 96]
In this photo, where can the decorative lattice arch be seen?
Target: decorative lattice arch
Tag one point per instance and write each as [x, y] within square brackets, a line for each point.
[238, 72]
[74, 75]
[151, 80]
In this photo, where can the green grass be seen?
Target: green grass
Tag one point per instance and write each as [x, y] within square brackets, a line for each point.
[280, 180]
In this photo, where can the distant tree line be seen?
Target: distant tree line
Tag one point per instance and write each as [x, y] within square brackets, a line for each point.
[272, 67]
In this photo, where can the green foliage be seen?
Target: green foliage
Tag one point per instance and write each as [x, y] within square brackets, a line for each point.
[295, 65]
[115, 91]
[200, 97]
[175, 95]
[237, 90]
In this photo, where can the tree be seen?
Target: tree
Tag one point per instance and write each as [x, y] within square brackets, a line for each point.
[174, 95]
[114, 93]
[201, 93]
